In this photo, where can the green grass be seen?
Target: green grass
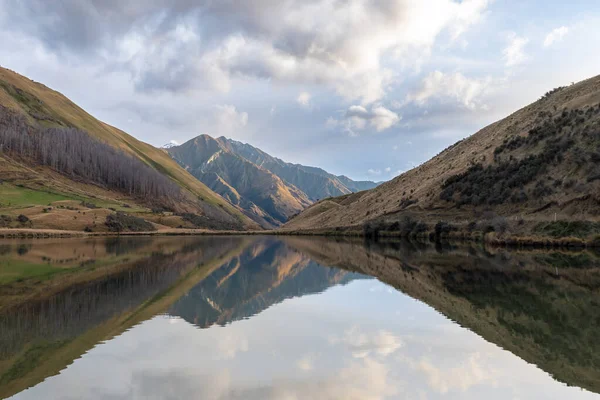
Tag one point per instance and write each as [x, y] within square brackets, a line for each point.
[29, 360]
[558, 229]
[14, 196]
[19, 197]
[15, 270]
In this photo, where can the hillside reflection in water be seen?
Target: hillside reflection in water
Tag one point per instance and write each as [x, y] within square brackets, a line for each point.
[295, 318]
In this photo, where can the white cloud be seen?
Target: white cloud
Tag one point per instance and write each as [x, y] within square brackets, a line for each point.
[473, 371]
[555, 36]
[348, 46]
[388, 169]
[456, 86]
[174, 142]
[230, 343]
[514, 52]
[374, 172]
[304, 99]
[358, 118]
[361, 345]
[229, 119]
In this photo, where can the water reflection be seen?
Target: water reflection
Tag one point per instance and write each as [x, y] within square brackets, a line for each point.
[262, 318]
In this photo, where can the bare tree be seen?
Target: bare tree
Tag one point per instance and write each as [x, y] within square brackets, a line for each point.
[76, 154]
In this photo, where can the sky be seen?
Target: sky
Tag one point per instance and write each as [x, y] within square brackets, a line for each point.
[365, 88]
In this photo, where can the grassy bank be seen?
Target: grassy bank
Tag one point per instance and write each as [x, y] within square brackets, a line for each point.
[573, 234]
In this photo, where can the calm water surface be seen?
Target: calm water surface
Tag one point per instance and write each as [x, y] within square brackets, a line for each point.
[294, 318]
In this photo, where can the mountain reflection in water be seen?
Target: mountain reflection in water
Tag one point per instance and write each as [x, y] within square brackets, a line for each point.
[248, 317]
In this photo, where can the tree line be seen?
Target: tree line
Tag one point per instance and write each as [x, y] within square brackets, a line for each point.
[75, 153]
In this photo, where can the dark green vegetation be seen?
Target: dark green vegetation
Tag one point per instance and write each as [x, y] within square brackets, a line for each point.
[557, 229]
[526, 160]
[121, 222]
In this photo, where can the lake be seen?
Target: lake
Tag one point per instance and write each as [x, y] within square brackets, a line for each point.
[295, 318]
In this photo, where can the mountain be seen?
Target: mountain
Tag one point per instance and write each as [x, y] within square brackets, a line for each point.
[263, 196]
[265, 274]
[540, 164]
[41, 130]
[269, 190]
[315, 182]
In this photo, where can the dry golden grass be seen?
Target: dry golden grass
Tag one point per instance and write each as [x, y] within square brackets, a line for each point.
[425, 181]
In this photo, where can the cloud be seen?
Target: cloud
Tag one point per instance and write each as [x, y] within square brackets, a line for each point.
[374, 172]
[304, 99]
[456, 86]
[471, 372]
[306, 363]
[555, 36]
[514, 52]
[228, 119]
[358, 118]
[388, 169]
[361, 345]
[181, 44]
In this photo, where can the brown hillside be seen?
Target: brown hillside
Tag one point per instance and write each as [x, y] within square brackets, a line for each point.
[541, 162]
[45, 107]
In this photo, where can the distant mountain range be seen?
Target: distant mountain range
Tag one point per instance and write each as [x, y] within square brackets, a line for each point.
[267, 189]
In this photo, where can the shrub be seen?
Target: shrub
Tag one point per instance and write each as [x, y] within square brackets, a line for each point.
[195, 219]
[371, 230]
[88, 229]
[23, 219]
[499, 224]
[121, 222]
[560, 229]
[407, 202]
[443, 228]
[89, 205]
[542, 190]
[5, 221]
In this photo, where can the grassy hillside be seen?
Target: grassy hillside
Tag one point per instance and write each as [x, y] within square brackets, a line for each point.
[540, 164]
[45, 107]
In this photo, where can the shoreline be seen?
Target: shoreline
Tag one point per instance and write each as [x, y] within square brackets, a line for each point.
[514, 241]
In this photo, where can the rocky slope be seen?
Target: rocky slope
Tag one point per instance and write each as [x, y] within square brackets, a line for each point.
[263, 196]
[540, 163]
[315, 182]
[43, 108]
[269, 190]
